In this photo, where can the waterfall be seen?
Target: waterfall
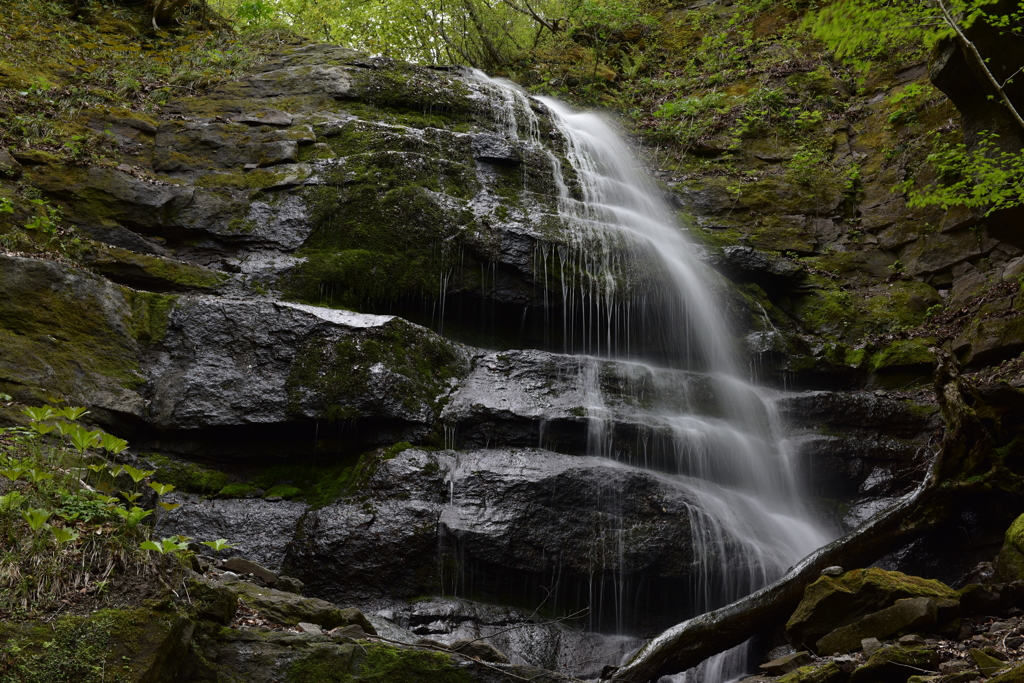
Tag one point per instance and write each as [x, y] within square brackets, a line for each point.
[748, 521]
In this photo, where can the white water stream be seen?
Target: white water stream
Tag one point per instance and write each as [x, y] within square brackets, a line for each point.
[748, 522]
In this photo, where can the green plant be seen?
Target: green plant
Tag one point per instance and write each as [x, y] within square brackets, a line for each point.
[987, 177]
[218, 545]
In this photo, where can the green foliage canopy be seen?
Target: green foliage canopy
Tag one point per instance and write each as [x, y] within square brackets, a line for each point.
[480, 33]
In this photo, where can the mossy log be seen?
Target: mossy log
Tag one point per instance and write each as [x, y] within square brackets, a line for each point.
[963, 450]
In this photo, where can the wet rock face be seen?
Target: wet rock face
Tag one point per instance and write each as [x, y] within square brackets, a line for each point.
[323, 154]
[230, 362]
[488, 519]
[70, 332]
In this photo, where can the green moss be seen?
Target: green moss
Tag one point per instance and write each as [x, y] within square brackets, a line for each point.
[316, 485]
[829, 311]
[110, 646]
[329, 377]
[66, 334]
[902, 304]
[238, 490]
[1011, 557]
[813, 673]
[375, 663]
[150, 315]
[285, 491]
[322, 665]
[854, 357]
[902, 353]
[187, 476]
[394, 450]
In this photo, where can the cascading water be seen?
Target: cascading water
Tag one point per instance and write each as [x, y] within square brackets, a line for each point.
[727, 452]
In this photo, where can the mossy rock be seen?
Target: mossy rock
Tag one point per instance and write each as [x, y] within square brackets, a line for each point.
[1014, 675]
[333, 378]
[1010, 564]
[895, 665]
[66, 332]
[832, 602]
[290, 609]
[376, 662]
[187, 476]
[814, 673]
[128, 646]
[150, 272]
[903, 354]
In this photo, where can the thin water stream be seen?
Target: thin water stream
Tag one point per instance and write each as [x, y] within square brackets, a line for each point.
[748, 521]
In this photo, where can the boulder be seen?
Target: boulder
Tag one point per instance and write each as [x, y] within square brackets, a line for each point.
[240, 565]
[832, 602]
[69, 333]
[1010, 565]
[786, 663]
[895, 665]
[907, 614]
[986, 663]
[213, 601]
[828, 672]
[258, 529]
[980, 599]
[746, 264]
[479, 649]
[290, 609]
[227, 362]
[1014, 675]
[9, 166]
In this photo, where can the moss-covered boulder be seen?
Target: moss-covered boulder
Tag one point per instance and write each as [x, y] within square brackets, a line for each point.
[290, 609]
[67, 332]
[906, 615]
[895, 665]
[1010, 564]
[133, 646]
[1014, 675]
[832, 602]
[827, 672]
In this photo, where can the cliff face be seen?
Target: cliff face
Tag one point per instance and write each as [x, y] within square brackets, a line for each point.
[293, 275]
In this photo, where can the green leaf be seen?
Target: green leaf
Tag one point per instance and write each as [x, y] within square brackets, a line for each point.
[72, 413]
[36, 475]
[169, 506]
[39, 414]
[64, 428]
[219, 544]
[136, 474]
[41, 427]
[13, 473]
[11, 500]
[161, 488]
[36, 518]
[112, 444]
[150, 545]
[82, 438]
[134, 516]
[64, 535]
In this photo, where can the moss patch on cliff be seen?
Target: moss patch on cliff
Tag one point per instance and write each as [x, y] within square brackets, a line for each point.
[330, 377]
[377, 663]
[110, 646]
[187, 476]
[67, 331]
